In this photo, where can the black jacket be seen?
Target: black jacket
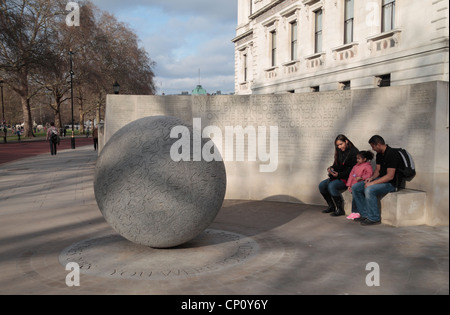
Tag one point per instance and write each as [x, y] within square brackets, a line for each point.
[345, 162]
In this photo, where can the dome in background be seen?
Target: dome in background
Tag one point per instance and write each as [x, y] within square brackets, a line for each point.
[199, 90]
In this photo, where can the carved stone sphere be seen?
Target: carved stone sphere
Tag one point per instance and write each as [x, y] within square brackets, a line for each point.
[146, 195]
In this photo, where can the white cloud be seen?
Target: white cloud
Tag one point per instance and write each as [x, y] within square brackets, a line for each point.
[223, 10]
[182, 37]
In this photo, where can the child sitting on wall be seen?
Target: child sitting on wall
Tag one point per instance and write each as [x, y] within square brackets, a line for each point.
[360, 172]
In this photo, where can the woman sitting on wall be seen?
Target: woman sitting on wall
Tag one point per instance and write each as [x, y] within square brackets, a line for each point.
[331, 188]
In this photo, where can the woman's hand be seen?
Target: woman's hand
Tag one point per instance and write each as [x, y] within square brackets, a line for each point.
[332, 172]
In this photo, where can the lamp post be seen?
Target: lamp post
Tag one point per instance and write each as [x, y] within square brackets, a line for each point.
[72, 140]
[3, 113]
[116, 87]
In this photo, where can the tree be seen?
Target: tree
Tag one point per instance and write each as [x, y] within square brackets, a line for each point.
[24, 46]
[34, 44]
[124, 59]
[116, 56]
[54, 77]
[105, 50]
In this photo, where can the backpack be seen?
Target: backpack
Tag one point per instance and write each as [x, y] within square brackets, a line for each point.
[54, 136]
[407, 169]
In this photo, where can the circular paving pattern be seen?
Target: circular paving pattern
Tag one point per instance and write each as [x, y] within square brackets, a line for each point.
[113, 256]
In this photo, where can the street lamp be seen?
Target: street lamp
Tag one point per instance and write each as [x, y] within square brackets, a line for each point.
[72, 140]
[116, 87]
[3, 113]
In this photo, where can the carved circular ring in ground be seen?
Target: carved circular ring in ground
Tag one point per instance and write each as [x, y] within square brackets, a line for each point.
[112, 256]
[151, 186]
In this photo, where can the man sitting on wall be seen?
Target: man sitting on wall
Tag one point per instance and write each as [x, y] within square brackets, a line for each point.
[382, 182]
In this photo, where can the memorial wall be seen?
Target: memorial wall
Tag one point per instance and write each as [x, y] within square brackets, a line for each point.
[277, 147]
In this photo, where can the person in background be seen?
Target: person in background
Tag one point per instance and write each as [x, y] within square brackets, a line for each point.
[95, 137]
[52, 138]
[18, 133]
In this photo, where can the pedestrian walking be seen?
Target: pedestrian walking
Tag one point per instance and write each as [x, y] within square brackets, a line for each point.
[95, 137]
[52, 138]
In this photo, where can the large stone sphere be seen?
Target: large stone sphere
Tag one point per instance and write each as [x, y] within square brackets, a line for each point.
[147, 196]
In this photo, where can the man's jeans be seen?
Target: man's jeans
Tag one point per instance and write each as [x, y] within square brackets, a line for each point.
[332, 187]
[366, 199]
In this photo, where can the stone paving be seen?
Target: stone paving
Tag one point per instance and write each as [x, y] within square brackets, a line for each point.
[49, 218]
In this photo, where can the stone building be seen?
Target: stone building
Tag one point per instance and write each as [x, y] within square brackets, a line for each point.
[321, 45]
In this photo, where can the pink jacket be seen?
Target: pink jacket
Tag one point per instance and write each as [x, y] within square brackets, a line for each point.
[363, 170]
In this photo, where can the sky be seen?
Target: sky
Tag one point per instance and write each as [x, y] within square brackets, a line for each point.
[183, 37]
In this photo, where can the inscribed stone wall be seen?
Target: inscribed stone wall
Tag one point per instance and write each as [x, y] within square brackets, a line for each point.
[123, 109]
[406, 116]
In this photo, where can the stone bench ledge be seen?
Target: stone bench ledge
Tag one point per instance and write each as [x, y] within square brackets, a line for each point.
[406, 207]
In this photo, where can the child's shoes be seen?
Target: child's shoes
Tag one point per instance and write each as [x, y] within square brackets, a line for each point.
[353, 216]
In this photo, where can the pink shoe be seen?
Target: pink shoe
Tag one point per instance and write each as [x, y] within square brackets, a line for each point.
[354, 216]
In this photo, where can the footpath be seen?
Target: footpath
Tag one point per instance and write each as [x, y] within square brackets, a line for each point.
[49, 218]
[15, 150]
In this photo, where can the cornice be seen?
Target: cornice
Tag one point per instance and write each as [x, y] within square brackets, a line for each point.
[265, 9]
[243, 35]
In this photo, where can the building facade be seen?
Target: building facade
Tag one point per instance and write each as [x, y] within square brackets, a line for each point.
[296, 46]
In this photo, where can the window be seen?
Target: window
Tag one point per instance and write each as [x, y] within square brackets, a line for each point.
[348, 23]
[344, 85]
[294, 41]
[318, 32]
[315, 89]
[383, 80]
[388, 15]
[274, 48]
[245, 57]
